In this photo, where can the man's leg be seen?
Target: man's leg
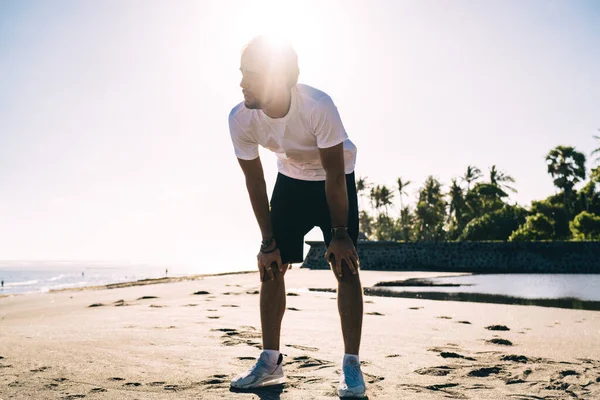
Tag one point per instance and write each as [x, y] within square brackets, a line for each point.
[268, 368]
[350, 307]
[272, 308]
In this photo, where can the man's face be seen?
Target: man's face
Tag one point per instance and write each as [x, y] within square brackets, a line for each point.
[255, 82]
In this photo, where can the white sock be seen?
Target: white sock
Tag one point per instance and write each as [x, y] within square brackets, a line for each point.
[349, 356]
[273, 355]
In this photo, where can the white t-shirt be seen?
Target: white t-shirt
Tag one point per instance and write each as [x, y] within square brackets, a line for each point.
[312, 123]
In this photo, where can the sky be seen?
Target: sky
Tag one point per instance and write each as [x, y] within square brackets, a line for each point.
[114, 143]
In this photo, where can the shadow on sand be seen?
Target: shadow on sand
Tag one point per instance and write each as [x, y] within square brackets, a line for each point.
[264, 393]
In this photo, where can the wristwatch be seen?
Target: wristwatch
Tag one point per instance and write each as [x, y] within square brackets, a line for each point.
[339, 232]
[265, 244]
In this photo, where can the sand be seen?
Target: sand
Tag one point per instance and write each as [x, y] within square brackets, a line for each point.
[163, 341]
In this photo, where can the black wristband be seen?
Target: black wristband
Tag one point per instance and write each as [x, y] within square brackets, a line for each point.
[265, 244]
[267, 252]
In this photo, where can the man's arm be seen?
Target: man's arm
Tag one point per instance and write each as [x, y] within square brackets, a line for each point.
[335, 184]
[257, 190]
[341, 248]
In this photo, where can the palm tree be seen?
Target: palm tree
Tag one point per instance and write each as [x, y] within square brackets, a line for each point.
[473, 173]
[381, 196]
[401, 186]
[361, 187]
[457, 207]
[597, 151]
[386, 197]
[567, 166]
[499, 179]
[430, 213]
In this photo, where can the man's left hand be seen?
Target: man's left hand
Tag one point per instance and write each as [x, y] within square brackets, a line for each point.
[342, 249]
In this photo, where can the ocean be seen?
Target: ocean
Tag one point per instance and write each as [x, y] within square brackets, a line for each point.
[585, 287]
[42, 276]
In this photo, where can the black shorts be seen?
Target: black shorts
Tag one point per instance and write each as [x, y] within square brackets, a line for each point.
[298, 206]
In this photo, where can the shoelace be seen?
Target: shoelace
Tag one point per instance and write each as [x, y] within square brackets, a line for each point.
[261, 364]
[352, 371]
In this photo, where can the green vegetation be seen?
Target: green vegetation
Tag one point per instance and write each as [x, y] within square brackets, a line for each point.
[476, 207]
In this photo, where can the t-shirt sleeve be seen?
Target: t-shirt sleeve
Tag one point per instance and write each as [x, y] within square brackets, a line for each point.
[327, 123]
[244, 146]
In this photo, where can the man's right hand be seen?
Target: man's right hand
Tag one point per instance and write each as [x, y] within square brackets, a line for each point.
[265, 261]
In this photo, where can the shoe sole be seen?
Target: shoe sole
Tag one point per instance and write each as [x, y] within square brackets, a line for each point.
[269, 381]
[346, 395]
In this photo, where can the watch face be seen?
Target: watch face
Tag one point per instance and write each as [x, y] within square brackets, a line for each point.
[339, 232]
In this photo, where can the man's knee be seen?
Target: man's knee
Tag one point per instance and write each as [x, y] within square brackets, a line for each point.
[347, 278]
[277, 274]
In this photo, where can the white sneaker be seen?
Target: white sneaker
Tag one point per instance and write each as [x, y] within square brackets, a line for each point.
[352, 383]
[264, 373]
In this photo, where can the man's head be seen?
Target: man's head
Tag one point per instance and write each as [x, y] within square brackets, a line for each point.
[269, 70]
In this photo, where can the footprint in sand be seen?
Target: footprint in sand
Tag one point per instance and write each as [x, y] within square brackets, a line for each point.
[463, 322]
[215, 380]
[156, 306]
[230, 305]
[246, 358]
[415, 308]
[147, 297]
[253, 292]
[392, 355]
[116, 379]
[303, 348]
[501, 342]
[201, 292]
[448, 354]
[191, 305]
[158, 383]
[119, 303]
[442, 370]
[292, 309]
[40, 369]
[173, 388]
[213, 317]
[370, 378]
[375, 313]
[309, 362]
[292, 294]
[97, 390]
[211, 309]
[441, 386]
[515, 358]
[369, 302]
[132, 384]
[73, 397]
[483, 372]
[497, 328]
[233, 337]
[444, 317]
[96, 305]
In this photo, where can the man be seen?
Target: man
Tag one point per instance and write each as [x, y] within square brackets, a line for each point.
[315, 187]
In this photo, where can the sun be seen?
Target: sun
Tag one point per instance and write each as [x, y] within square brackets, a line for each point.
[283, 22]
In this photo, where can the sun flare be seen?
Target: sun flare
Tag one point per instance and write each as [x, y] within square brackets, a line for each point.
[283, 22]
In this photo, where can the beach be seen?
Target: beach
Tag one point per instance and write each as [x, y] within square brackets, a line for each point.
[187, 338]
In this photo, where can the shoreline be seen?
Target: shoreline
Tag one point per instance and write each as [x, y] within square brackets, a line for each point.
[195, 277]
[138, 282]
